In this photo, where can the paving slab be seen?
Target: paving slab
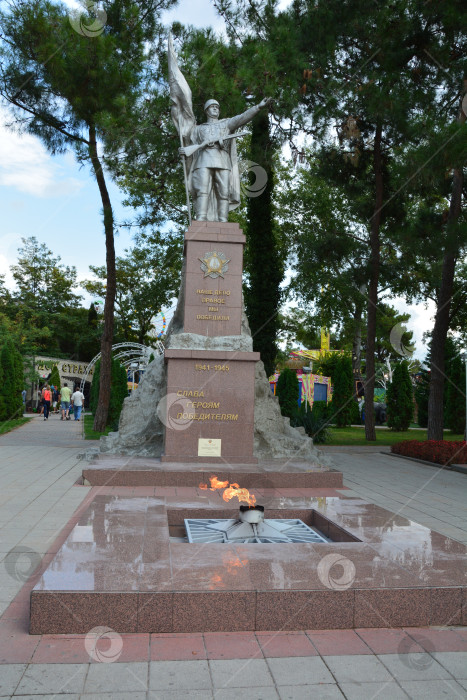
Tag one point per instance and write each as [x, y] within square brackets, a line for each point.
[10, 677]
[414, 667]
[453, 661]
[351, 669]
[300, 671]
[389, 690]
[48, 678]
[324, 691]
[434, 690]
[179, 675]
[112, 678]
[240, 673]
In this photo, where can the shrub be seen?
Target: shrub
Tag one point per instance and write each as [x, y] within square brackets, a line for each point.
[439, 451]
[320, 410]
[399, 399]
[287, 391]
[13, 381]
[343, 382]
[315, 422]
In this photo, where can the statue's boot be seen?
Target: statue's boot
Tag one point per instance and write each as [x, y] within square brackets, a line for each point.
[201, 207]
[223, 209]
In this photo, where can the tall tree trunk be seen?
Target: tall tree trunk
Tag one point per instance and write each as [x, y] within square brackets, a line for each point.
[370, 431]
[102, 410]
[442, 318]
[263, 262]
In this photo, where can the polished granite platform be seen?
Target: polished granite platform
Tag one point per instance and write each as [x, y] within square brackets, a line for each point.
[119, 470]
[118, 567]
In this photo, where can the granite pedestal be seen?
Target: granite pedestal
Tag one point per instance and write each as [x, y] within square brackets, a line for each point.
[119, 568]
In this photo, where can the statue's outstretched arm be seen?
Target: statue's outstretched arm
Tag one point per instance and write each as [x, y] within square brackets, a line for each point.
[238, 121]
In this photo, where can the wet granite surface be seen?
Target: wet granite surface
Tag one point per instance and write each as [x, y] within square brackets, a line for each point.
[118, 567]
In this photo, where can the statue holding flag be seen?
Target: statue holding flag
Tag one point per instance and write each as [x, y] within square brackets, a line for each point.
[209, 150]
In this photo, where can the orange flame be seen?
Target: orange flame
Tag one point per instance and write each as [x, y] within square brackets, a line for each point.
[243, 495]
[216, 484]
[231, 491]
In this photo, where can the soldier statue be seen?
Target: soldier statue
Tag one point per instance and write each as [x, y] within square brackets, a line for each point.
[209, 150]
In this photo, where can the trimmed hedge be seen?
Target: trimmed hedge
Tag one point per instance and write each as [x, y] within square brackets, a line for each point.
[438, 451]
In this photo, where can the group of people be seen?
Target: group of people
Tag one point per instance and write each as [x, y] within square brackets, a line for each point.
[50, 396]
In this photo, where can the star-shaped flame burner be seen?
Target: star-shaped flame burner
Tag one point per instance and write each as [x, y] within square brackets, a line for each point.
[264, 532]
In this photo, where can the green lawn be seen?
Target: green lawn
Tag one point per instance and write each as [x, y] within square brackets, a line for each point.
[89, 433]
[356, 436]
[12, 424]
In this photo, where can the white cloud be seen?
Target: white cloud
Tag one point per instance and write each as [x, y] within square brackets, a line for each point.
[421, 320]
[27, 166]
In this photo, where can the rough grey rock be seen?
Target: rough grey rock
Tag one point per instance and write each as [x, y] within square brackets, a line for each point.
[226, 343]
[140, 432]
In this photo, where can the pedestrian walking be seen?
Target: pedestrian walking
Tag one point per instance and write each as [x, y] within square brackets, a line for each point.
[23, 395]
[77, 400]
[65, 398]
[47, 395]
[54, 399]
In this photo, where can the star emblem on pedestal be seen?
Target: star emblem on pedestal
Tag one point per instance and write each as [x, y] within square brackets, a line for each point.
[214, 264]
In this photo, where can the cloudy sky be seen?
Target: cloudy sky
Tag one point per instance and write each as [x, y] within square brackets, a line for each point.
[52, 199]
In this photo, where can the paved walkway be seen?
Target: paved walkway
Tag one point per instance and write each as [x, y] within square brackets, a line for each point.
[39, 468]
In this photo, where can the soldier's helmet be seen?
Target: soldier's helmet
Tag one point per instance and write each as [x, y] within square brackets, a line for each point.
[209, 103]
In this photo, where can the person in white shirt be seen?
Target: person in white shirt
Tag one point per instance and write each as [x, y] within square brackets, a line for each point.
[77, 400]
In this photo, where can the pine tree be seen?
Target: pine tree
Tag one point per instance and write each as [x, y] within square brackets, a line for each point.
[287, 391]
[12, 384]
[118, 392]
[3, 413]
[399, 399]
[55, 378]
[422, 392]
[342, 397]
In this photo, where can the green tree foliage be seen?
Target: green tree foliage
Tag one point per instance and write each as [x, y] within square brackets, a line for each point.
[13, 381]
[118, 391]
[68, 89]
[44, 303]
[399, 399]
[455, 396]
[287, 391]
[344, 391]
[147, 279]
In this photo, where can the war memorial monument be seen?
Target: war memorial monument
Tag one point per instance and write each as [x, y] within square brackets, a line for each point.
[207, 511]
